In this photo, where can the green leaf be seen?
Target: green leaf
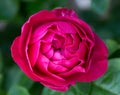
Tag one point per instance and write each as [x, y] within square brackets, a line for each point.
[1, 62]
[1, 81]
[28, 0]
[16, 77]
[37, 5]
[116, 54]
[2, 92]
[1, 67]
[100, 6]
[109, 84]
[112, 46]
[78, 89]
[18, 90]
[8, 8]
[36, 89]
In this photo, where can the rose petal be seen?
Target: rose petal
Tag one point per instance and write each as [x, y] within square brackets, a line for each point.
[40, 32]
[77, 70]
[56, 68]
[82, 52]
[83, 29]
[45, 46]
[41, 16]
[57, 56]
[71, 63]
[33, 52]
[65, 27]
[75, 46]
[48, 37]
[58, 88]
[68, 39]
[76, 40]
[49, 54]
[25, 38]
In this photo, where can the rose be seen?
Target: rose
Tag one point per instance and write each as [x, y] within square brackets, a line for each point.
[58, 49]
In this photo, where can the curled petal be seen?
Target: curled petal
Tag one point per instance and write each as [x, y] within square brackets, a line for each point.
[82, 52]
[48, 37]
[77, 70]
[71, 63]
[56, 68]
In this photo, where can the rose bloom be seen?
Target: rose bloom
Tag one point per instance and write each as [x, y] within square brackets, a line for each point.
[58, 49]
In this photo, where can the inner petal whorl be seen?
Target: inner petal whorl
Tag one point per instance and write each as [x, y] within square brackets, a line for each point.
[58, 42]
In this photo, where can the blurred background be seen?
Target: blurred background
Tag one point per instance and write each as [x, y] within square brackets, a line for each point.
[102, 15]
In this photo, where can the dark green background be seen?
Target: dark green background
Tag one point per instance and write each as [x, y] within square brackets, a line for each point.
[103, 16]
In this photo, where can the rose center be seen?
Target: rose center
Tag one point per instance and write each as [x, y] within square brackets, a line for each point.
[56, 45]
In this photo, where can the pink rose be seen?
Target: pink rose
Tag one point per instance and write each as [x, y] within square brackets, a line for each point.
[58, 49]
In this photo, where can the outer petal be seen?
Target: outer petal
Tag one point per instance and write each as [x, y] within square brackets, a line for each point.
[58, 88]
[22, 61]
[24, 38]
[33, 52]
[41, 16]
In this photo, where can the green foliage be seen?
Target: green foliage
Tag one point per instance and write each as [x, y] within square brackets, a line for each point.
[18, 90]
[100, 6]
[16, 77]
[1, 66]
[8, 8]
[104, 18]
[112, 46]
[0, 81]
[1, 62]
[109, 83]
[42, 5]
[78, 89]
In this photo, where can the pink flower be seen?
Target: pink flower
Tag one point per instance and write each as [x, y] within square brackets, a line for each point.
[58, 49]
